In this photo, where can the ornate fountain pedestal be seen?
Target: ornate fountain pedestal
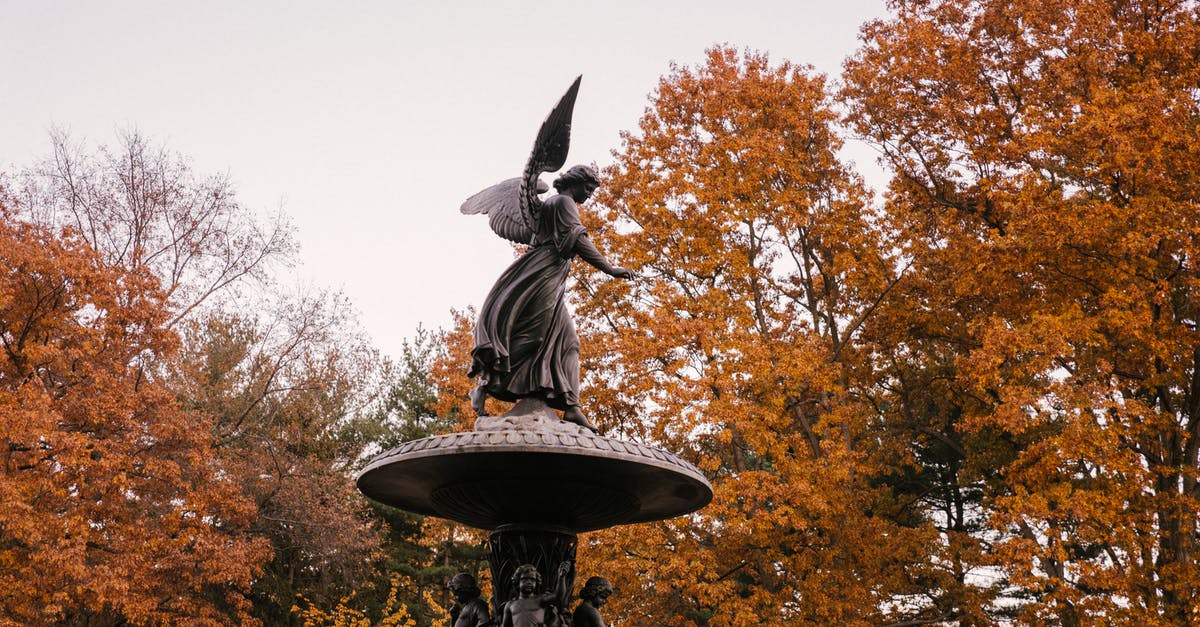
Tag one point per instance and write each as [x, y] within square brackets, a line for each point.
[535, 482]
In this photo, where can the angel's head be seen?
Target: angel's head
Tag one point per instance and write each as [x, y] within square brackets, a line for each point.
[578, 182]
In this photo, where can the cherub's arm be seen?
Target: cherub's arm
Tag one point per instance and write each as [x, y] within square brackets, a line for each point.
[561, 592]
[552, 606]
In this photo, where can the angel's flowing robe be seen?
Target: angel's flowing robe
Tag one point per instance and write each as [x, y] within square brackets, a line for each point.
[525, 341]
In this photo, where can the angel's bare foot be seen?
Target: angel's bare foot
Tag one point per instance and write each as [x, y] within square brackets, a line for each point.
[478, 396]
[572, 414]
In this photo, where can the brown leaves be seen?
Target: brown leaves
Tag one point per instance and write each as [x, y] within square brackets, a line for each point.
[283, 394]
[110, 501]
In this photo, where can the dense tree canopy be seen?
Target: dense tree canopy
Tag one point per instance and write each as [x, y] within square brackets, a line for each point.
[1045, 191]
[988, 384]
[761, 260]
[110, 502]
[279, 396]
[272, 396]
[974, 401]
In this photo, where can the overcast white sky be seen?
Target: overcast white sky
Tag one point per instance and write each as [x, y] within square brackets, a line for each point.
[370, 122]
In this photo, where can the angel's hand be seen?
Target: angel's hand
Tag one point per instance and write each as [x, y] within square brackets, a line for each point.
[623, 273]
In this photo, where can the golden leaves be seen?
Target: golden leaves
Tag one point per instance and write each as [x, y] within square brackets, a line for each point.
[1043, 152]
[760, 262]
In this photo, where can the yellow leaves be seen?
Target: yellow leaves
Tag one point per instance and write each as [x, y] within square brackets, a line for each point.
[394, 613]
[341, 616]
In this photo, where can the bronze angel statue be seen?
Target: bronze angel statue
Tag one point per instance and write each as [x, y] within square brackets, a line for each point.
[525, 341]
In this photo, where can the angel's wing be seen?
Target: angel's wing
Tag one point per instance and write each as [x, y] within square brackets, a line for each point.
[502, 204]
[512, 205]
[549, 151]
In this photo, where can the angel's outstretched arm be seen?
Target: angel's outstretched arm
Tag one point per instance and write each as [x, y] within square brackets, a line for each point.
[589, 253]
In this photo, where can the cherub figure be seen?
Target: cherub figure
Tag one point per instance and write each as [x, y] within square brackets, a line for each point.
[594, 595]
[468, 609]
[532, 607]
[525, 340]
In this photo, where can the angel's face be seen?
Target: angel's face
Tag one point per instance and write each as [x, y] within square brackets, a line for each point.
[582, 191]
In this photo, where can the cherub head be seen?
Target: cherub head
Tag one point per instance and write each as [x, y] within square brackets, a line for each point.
[578, 182]
[464, 587]
[527, 579]
[596, 591]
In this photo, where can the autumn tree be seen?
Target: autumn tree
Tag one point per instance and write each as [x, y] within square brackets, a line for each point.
[294, 395]
[140, 205]
[761, 260]
[111, 507]
[438, 548]
[1045, 195]
[419, 554]
[283, 390]
[280, 379]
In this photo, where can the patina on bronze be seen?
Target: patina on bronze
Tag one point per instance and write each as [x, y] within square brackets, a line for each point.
[525, 340]
[533, 479]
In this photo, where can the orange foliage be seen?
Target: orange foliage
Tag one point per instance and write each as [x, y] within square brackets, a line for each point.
[1045, 154]
[739, 348]
[449, 373]
[109, 503]
[978, 403]
[282, 387]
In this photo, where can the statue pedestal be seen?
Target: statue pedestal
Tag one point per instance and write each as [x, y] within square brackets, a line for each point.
[534, 487]
[513, 545]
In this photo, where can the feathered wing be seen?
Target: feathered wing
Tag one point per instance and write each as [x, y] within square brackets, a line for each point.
[502, 204]
[512, 205]
[549, 151]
